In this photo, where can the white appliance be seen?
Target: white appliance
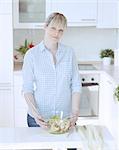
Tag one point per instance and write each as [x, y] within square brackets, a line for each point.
[89, 101]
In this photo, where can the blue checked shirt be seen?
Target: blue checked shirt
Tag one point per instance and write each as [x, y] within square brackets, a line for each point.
[54, 83]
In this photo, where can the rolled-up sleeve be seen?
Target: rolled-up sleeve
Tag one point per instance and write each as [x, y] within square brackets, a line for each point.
[76, 82]
[28, 74]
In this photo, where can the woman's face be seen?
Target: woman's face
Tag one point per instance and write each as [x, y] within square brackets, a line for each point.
[53, 32]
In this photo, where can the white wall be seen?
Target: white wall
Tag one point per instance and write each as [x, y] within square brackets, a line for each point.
[87, 41]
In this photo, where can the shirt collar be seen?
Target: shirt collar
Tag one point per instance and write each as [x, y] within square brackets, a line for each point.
[60, 49]
[43, 48]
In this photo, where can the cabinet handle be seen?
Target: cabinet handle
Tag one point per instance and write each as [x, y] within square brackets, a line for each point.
[5, 89]
[88, 19]
[5, 84]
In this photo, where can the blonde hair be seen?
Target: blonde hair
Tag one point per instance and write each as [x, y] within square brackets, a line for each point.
[56, 19]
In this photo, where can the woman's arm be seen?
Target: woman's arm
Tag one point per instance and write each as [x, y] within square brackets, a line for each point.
[31, 104]
[75, 108]
[75, 103]
[32, 107]
[76, 90]
[28, 87]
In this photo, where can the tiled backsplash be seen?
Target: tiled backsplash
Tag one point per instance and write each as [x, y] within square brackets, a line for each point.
[86, 41]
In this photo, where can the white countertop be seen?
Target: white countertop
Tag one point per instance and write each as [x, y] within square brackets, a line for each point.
[34, 138]
[111, 70]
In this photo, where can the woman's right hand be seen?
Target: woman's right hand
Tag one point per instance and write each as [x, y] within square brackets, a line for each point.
[41, 122]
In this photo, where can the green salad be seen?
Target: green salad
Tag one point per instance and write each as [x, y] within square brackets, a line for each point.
[57, 125]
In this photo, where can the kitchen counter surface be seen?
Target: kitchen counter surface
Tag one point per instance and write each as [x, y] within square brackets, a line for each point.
[83, 137]
[111, 70]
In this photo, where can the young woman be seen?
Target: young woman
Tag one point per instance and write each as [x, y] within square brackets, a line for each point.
[52, 68]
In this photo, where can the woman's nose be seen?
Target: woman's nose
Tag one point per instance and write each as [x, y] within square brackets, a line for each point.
[56, 33]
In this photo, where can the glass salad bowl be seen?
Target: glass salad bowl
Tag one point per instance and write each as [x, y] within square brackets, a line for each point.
[58, 124]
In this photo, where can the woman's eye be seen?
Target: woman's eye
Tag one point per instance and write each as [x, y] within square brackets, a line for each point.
[61, 30]
[53, 28]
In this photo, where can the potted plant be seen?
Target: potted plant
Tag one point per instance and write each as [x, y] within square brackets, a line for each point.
[107, 55]
[24, 48]
[21, 51]
[116, 93]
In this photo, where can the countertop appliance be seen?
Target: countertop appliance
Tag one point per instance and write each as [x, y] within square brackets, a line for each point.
[89, 101]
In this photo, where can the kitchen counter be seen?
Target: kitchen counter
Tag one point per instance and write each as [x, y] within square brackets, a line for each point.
[111, 70]
[83, 137]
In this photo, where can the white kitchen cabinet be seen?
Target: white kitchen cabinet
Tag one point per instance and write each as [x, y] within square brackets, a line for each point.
[32, 14]
[29, 13]
[5, 6]
[20, 104]
[78, 12]
[6, 65]
[107, 14]
[20, 107]
[6, 107]
[118, 13]
[108, 107]
[6, 48]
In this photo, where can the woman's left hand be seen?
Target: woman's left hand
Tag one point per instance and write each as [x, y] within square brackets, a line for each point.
[73, 120]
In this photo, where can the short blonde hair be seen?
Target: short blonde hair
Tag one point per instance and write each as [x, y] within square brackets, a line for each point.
[56, 19]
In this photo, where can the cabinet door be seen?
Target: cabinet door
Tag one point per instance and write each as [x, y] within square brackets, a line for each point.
[29, 13]
[6, 107]
[107, 14]
[20, 107]
[6, 48]
[76, 11]
[20, 103]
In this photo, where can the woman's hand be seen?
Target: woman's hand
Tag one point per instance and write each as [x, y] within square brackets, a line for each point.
[73, 120]
[41, 122]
